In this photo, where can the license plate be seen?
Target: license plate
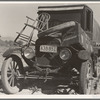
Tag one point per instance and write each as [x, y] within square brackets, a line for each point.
[47, 48]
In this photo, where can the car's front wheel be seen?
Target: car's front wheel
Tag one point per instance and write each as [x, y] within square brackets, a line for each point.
[10, 71]
[86, 74]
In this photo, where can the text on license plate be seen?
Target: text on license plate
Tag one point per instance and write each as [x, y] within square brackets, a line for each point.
[48, 48]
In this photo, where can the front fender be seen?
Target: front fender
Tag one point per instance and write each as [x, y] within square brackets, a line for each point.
[15, 52]
[12, 51]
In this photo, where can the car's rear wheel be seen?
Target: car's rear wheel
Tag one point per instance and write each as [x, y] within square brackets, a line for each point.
[10, 71]
[86, 74]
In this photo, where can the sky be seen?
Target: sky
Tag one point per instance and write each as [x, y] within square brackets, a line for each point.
[13, 15]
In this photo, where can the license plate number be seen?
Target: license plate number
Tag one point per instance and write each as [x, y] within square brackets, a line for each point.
[47, 48]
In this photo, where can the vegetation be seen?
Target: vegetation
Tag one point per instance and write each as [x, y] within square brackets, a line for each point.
[6, 42]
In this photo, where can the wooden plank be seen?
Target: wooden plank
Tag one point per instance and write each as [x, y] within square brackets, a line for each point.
[57, 28]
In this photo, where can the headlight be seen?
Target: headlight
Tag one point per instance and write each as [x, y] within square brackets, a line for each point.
[29, 53]
[65, 54]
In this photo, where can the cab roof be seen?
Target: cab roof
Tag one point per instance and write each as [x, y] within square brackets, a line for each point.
[62, 8]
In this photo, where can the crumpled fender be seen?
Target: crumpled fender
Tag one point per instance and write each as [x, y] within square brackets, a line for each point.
[13, 51]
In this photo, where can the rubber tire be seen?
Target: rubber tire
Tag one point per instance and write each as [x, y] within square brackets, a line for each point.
[6, 87]
[83, 77]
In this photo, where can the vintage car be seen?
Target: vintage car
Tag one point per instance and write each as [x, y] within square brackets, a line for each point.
[63, 51]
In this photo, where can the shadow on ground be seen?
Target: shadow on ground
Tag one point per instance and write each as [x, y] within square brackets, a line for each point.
[30, 86]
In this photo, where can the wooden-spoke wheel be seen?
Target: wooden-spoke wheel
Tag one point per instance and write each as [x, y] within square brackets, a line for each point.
[10, 71]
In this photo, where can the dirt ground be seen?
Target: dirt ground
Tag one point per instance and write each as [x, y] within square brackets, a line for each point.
[29, 87]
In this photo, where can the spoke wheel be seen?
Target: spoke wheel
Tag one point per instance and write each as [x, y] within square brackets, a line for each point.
[86, 82]
[9, 75]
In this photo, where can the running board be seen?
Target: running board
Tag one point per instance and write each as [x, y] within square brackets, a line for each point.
[43, 77]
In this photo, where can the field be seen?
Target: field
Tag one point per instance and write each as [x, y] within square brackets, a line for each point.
[30, 88]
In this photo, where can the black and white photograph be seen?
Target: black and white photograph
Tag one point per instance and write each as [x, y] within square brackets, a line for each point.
[49, 48]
